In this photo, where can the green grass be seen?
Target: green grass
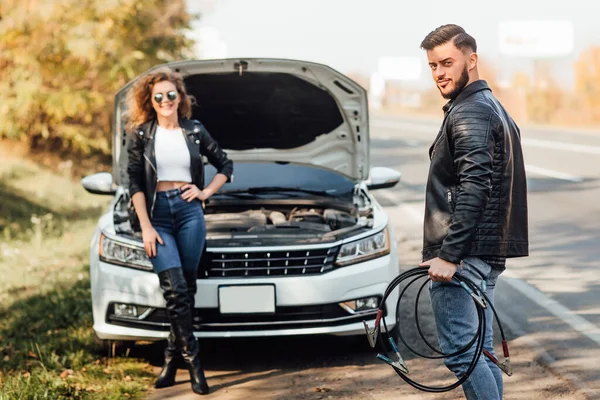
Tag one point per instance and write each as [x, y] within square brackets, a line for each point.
[47, 346]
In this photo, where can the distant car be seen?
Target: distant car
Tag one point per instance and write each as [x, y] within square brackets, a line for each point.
[296, 244]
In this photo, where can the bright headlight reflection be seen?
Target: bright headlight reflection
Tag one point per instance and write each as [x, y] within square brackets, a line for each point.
[128, 255]
[370, 247]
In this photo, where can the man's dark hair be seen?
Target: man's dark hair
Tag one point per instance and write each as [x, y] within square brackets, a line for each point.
[446, 33]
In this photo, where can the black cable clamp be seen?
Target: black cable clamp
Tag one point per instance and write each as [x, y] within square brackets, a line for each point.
[397, 362]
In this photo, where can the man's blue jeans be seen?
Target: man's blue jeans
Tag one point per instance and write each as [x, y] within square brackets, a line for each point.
[457, 322]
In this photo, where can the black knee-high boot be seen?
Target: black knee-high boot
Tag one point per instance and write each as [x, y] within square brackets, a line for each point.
[172, 351]
[175, 290]
[192, 288]
[169, 370]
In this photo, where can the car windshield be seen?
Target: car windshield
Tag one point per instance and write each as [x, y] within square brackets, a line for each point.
[258, 178]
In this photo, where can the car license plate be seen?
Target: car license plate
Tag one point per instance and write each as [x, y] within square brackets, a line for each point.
[245, 299]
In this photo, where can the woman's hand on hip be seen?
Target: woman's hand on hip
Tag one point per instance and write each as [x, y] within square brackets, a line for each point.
[191, 192]
[150, 236]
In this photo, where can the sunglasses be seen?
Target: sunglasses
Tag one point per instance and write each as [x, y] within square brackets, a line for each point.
[171, 96]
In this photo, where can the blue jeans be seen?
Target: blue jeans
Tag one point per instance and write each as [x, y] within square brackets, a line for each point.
[456, 320]
[182, 228]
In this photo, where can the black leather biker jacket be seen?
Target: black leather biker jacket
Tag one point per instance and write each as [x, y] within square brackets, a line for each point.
[141, 167]
[476, 195]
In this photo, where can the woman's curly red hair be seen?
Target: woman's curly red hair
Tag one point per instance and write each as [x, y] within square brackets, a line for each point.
[140, 104]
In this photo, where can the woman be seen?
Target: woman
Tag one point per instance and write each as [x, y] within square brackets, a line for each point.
[166, 185]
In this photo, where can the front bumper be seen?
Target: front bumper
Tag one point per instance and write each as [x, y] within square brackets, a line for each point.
[305, 305]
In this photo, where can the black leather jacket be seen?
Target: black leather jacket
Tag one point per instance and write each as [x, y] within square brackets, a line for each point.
[476, 196]
[141, 167]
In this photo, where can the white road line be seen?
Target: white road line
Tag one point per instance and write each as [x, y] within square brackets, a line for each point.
[553, 174]
[578, 323]
[417, 213]
[388, 195]
[427, 124]
[410, 126]
[542, 355]
[529, 142]
[547, 144]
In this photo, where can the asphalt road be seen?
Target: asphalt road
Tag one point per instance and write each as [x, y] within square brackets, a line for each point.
[546, 301]
[551, 299]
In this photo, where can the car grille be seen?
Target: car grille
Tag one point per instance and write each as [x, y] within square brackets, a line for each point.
[269, 263]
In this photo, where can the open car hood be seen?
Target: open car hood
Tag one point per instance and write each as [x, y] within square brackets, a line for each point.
[270, 110]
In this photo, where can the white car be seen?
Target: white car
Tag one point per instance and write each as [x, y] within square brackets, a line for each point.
[296, 244]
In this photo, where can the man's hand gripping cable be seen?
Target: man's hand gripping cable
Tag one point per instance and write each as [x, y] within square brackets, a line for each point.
[397, 362]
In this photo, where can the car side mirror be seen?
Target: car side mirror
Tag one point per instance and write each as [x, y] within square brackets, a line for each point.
[383, 178]
[100, 183]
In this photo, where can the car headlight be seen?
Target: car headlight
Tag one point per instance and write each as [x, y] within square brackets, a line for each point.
[374, 246]
[127, 255]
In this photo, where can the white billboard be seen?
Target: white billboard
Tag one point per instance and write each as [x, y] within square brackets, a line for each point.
[376, 90]
[536, 39]
[400, 68]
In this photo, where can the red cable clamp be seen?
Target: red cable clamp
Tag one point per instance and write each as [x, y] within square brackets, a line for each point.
[505, 365]
[373, 333]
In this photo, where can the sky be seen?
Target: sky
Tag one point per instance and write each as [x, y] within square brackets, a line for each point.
[352, 35]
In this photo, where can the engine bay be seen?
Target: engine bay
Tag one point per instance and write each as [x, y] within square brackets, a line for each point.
[269, 219]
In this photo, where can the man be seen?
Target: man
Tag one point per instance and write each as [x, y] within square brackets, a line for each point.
[475, 205]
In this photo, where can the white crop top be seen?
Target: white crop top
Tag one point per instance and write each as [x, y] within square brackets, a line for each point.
[172, 155]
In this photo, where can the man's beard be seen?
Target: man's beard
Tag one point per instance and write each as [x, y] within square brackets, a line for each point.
[460, 85]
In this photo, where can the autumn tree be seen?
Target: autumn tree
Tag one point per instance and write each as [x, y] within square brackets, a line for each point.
[61, 62]
[488, 73]
[587, 83]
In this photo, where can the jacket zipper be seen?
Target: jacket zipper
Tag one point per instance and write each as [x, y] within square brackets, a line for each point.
[450, 200]
[154, 194]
